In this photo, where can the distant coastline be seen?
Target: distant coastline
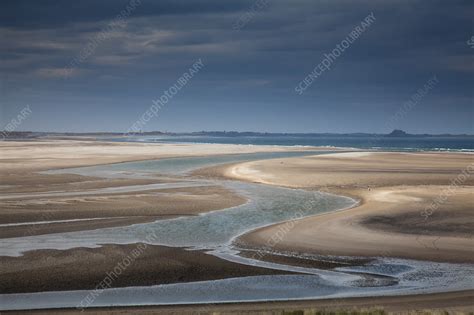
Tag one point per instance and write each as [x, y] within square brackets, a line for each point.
[394, 134]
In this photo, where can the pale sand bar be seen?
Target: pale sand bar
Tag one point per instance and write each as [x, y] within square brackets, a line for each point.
[53, 154]
[412, 205]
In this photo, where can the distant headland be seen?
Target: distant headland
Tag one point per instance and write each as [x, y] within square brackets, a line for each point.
[397, 133]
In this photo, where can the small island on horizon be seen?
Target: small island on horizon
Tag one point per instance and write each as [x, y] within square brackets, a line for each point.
[245, 157]
[396, 133]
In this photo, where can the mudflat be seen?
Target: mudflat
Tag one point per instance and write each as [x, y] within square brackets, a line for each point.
[86, 268]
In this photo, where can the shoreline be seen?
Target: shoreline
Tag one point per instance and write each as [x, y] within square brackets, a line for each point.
[385, 205]
[121, 209]
[112, 153]
[22, 164]
[282, 164]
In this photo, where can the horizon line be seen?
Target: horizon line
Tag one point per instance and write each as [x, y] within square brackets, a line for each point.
[231, 131]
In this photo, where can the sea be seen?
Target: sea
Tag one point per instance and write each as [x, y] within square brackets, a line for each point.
[413, 143]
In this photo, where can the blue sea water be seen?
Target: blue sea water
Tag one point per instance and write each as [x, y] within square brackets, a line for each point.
[461, 143]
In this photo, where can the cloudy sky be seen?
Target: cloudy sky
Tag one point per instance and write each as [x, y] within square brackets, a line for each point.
[254, 53]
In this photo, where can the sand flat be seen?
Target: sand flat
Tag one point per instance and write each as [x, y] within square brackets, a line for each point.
[50, 270]
[112, 209]
[53, 154]
[33, 272]
[400, 184]
[21, 162]
[395, 189]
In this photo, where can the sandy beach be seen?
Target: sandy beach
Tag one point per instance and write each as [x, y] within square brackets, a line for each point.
[412, 205]
[394, 190]
[21, 156]
[29, 205]
[108, 210]
[237, 157]
[21, 162]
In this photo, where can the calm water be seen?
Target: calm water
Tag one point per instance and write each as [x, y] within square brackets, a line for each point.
[386, 143]
[176, 166]
[215, 231]
[267, 204]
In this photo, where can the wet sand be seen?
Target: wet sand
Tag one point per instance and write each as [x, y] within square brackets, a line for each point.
[439, 303]
[21, 161]
[45, 270]
[409, 206]
[393, 180]
[111, 209]
[86, 268]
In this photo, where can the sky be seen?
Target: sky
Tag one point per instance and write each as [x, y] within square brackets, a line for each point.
[86, 66]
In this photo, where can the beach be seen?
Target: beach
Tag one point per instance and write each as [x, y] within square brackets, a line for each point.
[411, 205]
[36, 203]
[23, 163]
[237, 157]
[395, 217]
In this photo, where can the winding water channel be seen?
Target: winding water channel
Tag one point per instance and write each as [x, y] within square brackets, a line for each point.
[214, 231]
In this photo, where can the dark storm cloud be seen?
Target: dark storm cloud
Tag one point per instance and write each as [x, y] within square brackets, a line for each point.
[261, 63]
[54, 13]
